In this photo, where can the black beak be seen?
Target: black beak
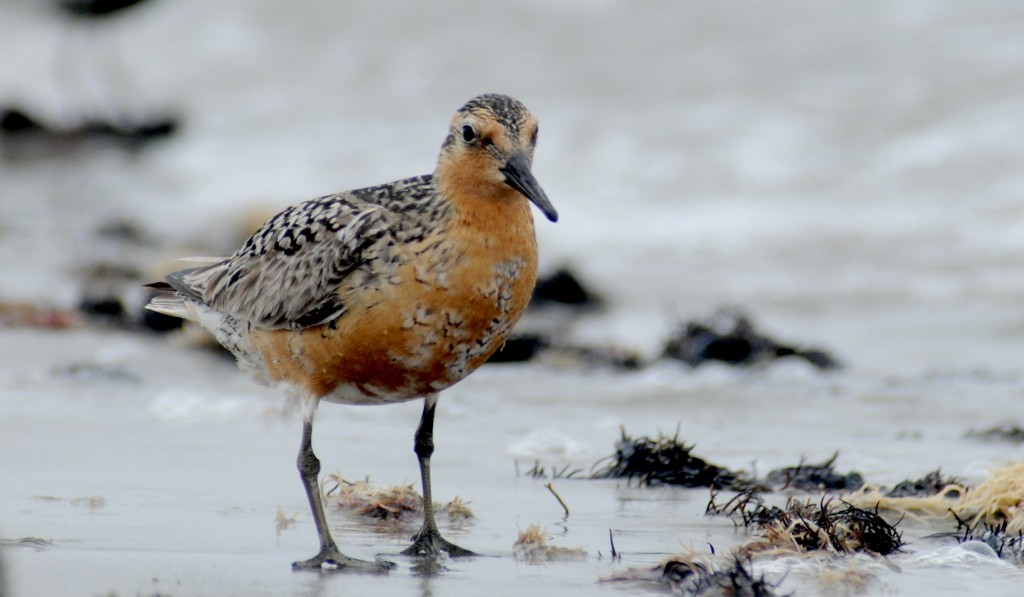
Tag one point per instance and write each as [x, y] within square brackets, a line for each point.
[518, 176]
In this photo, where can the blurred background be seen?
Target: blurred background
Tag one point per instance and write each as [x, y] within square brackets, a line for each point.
[852, 170]
[850, 175]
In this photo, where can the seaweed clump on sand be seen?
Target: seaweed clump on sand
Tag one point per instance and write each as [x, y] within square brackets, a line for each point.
[1007, 546]
[931, 484]
[564, 288]
[395, 504]
[1007, 432]
[526, 346]
[737, 580]
[807, 526]
[664, 460]
[992, 513]
[689, 575]
[815, 477]
[996, 501]
[729, 337]
[25, 135]
[532, 546]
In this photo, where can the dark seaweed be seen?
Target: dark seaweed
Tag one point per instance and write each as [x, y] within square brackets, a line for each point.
[564, 288]
[695, 579]
[867, 528]
[846, 529]
[929, 485]
[1007, 546]
[664, 460]
[729, 337]
[1007, 432]
[815, 477]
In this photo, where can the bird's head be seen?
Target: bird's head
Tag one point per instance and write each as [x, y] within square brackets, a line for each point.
[490, 146]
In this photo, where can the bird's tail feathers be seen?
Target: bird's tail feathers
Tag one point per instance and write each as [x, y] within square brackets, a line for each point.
[172, 305]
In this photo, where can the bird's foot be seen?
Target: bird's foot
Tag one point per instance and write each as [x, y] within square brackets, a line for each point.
[431, 543]
[330, 558]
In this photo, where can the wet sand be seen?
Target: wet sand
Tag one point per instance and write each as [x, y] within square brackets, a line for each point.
[144, 480]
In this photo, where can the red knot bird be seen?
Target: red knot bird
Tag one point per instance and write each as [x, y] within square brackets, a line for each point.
[383, 294]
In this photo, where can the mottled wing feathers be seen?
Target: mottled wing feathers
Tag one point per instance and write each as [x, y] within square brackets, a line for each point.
[286, 275]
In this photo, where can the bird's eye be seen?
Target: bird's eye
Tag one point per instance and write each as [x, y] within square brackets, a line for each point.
[533, 137]
[468, 134]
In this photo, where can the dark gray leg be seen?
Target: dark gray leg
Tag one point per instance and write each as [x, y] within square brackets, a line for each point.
[429, 542]
[329, 556]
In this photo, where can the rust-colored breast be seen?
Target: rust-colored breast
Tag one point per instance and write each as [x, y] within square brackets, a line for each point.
[439, 311]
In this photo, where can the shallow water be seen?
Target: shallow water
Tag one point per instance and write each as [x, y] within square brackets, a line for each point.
[848, 175]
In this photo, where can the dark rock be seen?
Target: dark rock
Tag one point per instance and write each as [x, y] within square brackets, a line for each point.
[616, 358]
[106, 307]
[128, 134]
[730, 337]
[160, 323]
[528, 346]
[562, 287]
[15, 121]
[96, 8]
[22, 131]
[519, 348]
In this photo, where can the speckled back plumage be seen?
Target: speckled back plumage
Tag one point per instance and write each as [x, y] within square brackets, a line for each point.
[286, 274]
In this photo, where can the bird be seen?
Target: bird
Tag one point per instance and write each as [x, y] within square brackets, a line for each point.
[383, 294]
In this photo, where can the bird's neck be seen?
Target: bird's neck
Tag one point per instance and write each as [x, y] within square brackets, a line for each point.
[480, 203]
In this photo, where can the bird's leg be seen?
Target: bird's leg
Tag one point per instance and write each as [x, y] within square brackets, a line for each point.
[429, 542]
[329, 557]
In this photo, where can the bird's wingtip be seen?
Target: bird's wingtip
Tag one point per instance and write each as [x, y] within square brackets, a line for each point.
[173, 306]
